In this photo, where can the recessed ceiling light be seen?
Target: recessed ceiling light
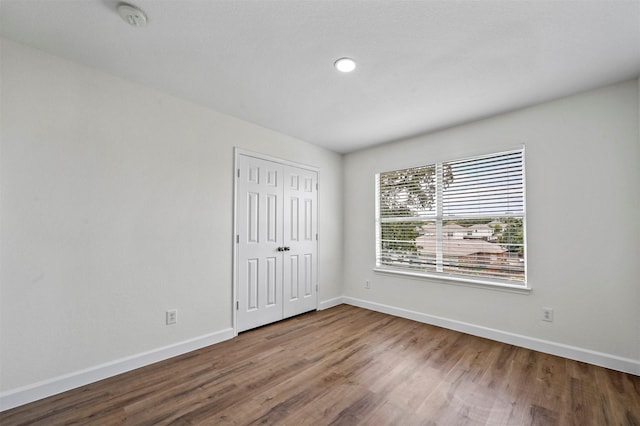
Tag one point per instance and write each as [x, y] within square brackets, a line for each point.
[345, 65]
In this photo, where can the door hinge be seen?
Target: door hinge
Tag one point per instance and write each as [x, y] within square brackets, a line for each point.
[238, 173]
[316, 186]
[237, 305]
[316, 237]
[238, 239]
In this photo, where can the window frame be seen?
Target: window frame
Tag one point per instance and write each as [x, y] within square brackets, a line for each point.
[439, 219]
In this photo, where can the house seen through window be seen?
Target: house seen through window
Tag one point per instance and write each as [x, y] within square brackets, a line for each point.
[460, 219]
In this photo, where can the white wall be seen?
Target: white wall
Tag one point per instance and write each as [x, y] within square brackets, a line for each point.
[582, 172]
[116, 205]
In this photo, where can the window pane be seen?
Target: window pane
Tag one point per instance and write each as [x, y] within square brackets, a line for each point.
[485, 186]
[400, 245]
[408, 192]
[491, 247]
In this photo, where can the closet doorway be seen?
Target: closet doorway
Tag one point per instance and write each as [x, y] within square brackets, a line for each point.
[276, 241]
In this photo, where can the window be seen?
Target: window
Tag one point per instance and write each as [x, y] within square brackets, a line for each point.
[462, 219]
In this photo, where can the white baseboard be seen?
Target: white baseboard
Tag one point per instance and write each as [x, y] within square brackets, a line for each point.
[326, 304]
[613, 362]
[36, 391]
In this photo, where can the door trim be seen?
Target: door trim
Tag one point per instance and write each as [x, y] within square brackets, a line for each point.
[237, 152]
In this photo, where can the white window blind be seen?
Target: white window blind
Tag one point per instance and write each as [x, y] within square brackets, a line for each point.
[463, 218]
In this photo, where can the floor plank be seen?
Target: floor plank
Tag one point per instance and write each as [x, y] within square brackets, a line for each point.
[349, 366]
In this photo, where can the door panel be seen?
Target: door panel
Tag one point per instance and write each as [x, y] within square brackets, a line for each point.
[293, 281]
[259, 228]
[300, 273]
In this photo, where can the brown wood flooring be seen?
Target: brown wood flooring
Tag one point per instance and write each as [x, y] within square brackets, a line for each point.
[350, 366]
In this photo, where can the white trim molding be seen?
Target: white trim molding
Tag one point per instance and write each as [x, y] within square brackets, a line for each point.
[46, 388]
[326, 304]
[601, 359]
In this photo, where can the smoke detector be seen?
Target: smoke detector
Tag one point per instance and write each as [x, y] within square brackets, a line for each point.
[132, 15]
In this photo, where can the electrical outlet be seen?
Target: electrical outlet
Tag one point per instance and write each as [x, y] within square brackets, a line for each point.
[367, 285]
[172, 316]
[547, 314]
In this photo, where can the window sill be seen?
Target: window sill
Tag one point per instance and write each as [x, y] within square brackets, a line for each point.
[457, 280]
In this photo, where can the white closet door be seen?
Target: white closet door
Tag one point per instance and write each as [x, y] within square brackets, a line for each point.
[276, 222]
[259, 211]
[300, 230]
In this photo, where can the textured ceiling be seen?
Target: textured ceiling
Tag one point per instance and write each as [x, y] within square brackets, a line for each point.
[422, 65]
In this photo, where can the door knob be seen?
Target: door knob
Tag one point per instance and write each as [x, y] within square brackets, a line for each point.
[284, 248]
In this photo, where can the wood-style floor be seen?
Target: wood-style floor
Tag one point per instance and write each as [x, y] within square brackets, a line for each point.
[350, 366]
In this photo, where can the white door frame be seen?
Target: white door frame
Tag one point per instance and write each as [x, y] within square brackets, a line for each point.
[237, 152]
